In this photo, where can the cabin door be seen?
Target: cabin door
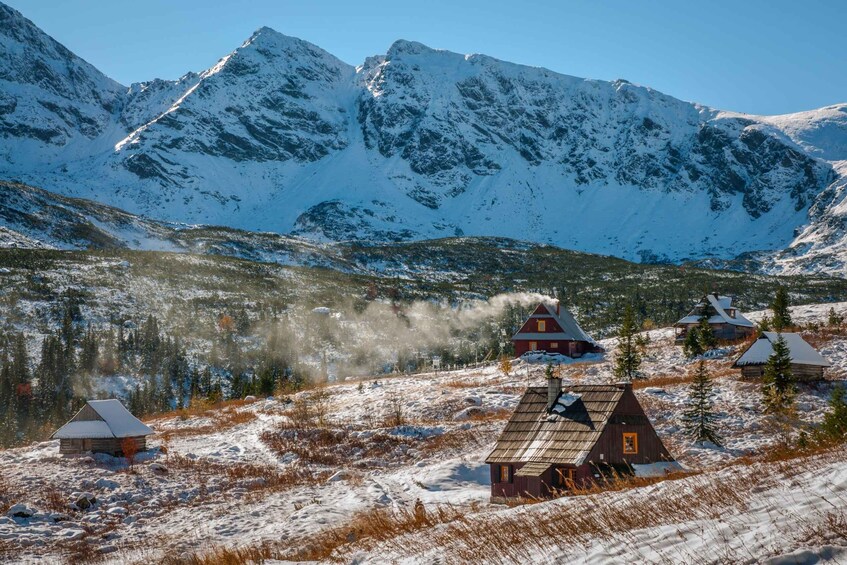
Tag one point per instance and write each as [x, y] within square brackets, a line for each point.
[86, 445]
[571, 349]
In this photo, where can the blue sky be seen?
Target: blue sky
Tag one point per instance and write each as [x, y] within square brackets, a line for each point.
[754, 56]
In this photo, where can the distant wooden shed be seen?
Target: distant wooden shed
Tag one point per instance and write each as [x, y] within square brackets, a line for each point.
[806, 363]
[556, 440]
[101, 426]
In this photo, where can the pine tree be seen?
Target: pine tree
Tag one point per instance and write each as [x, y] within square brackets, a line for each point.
[834, 425]
[699, 418]
[780, 304]
[691, 346]
[778, 385]
[834, 320]
[705, 335]
[627, 359]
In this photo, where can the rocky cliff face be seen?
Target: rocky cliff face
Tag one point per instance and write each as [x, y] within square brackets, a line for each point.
[420, 143]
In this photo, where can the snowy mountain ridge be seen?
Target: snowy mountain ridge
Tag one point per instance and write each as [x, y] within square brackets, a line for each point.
[420, 143]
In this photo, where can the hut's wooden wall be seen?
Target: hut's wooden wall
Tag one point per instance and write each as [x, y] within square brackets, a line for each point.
[800, 372]
[628, 417]
[112, 446]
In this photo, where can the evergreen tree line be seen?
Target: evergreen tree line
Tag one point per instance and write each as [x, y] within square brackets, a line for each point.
[35, 399]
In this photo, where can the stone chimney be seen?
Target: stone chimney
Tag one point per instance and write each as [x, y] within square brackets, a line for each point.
[558, 307]
[554, 389]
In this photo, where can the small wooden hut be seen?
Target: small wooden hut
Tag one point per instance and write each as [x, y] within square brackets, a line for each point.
[806, 363]
[726, 321]
[556, 440]
[553, 329]
[101, 426]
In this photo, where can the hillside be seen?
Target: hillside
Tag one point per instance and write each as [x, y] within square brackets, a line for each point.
[280, 136]
[262, 480]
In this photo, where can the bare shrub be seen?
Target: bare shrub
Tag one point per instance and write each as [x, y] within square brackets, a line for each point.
[395, 416]
[129, 448]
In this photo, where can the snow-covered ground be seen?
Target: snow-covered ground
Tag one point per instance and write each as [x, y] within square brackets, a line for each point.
[220, 478]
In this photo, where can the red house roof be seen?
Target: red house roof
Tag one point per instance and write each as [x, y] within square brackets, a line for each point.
[570, 330]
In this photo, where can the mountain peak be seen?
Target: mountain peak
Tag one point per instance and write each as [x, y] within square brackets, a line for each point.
[406, 47]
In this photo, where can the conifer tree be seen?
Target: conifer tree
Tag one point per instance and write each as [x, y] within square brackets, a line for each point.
[691, 346]
[705, 335]
[780, 304]
[778, 385]
[627, 359]
[834, 425]
[699, 419]
[834, 320]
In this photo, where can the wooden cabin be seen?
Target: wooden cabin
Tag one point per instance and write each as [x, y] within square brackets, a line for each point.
[806, 363]
[726, 321]
[554, 330]
[557, 440]
[101, 426]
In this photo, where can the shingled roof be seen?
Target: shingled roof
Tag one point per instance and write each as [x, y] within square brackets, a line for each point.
[563, 437]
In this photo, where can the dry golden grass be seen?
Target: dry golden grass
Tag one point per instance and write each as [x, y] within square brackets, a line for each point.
[823, 336]
[662, 380]
[459, 384]
[7, 496]
[518, 536]
[221, 419]
[198, 407]
[226, 555]
[245, 475]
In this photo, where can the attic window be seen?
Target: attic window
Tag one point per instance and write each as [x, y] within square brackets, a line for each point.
[542, 325]
[630, 443]
[731, 312]
[505, 474]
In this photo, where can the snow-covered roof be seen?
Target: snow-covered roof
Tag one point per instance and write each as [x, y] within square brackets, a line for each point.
[566, 321]
[720, 305]
[84, 429]
[801, 352]
[115, 422]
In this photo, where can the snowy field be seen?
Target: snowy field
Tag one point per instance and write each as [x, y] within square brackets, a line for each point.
[245, 475]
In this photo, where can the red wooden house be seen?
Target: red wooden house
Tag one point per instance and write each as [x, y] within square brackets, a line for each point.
[556, 440]
[554, 330]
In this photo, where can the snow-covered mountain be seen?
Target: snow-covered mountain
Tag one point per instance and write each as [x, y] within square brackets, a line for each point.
[281, 136]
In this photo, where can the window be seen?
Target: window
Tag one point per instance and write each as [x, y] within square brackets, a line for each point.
[630, 443]
[554, 345]
[505, 474]
[533, 346]
[563, 478]
[731, 312]
[542, 325]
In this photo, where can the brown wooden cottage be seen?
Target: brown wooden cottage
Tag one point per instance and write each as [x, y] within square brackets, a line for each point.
[101, 426]
[806, 363]
[553, 329]
[726, 321]
[556, 440]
